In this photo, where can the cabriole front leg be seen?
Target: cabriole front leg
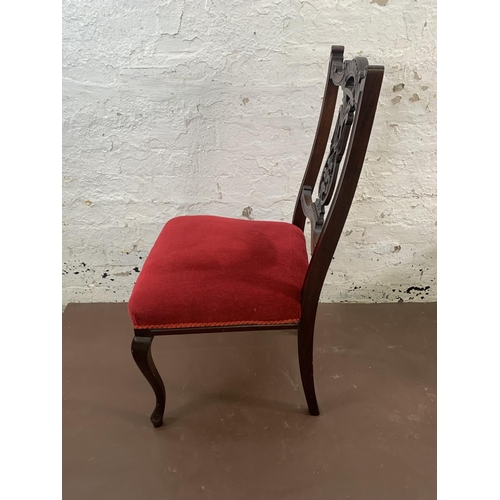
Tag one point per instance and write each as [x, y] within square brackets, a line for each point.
[141, 351]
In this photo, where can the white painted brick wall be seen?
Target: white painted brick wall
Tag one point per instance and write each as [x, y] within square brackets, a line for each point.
[210, 107]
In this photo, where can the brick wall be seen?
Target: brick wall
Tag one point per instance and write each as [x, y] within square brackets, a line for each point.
[210, 107]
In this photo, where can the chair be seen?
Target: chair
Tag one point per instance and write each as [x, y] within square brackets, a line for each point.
[213, 274]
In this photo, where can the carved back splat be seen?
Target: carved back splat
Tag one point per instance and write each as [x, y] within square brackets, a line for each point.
[360, 84]
[350, 76]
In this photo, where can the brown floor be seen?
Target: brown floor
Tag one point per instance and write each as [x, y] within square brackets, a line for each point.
[236, 425]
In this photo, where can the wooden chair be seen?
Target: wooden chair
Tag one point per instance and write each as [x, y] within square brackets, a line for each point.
[214, 274]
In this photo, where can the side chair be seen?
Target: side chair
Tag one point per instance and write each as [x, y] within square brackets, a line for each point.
[209, 274]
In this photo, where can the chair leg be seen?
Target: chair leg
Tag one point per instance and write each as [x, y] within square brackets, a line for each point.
[305, 341]
[141, 351]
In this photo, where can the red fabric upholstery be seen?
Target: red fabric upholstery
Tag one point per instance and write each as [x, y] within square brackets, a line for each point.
[211, 271]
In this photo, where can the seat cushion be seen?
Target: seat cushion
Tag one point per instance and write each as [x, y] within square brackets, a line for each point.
[216, 271]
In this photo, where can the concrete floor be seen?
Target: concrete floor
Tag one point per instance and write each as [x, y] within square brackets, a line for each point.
[236, 425]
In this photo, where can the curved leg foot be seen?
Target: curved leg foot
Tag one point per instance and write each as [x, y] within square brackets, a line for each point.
[305, 341]
[141, 351]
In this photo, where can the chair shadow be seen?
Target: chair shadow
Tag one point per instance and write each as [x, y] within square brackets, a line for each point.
[140, 418]
[232, 398]
[345, 398]
[258, 403]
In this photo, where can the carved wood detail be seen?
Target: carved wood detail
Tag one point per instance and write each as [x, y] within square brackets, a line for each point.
[349, 76]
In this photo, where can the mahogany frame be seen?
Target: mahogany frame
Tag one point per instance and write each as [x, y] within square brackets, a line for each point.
[360, 83]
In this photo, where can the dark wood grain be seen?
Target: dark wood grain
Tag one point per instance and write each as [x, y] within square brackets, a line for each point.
[326, 231]
[305, 346]
[141, 352]
[219, 329]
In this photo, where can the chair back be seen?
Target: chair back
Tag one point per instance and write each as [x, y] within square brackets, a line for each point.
[360, 83]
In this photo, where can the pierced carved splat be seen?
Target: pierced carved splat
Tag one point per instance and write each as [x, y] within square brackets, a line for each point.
[349, 76]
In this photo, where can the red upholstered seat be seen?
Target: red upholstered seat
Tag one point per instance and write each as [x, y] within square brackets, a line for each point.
[212, 271]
